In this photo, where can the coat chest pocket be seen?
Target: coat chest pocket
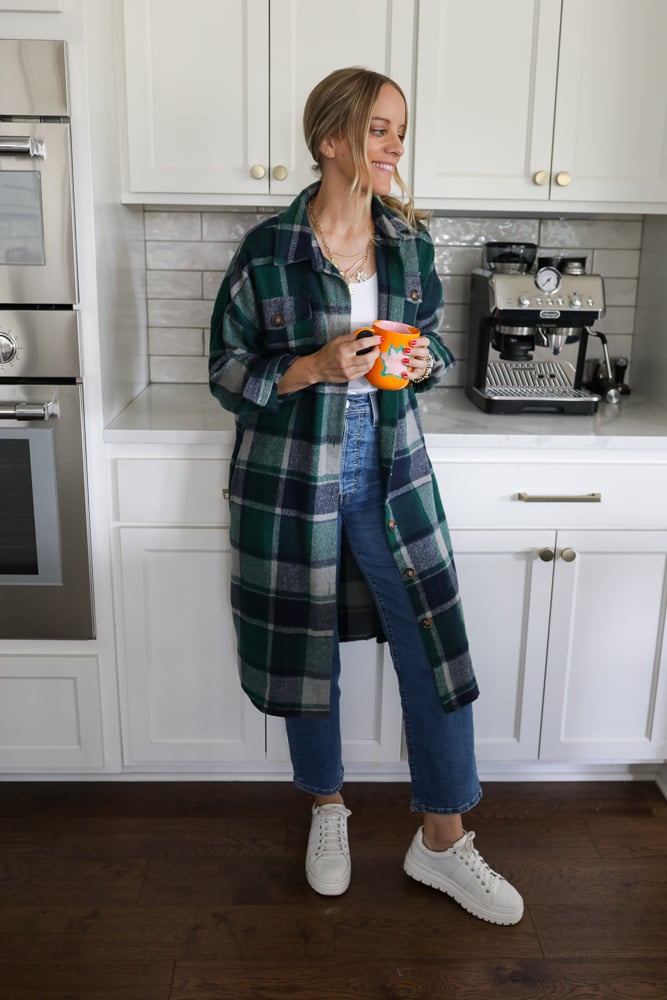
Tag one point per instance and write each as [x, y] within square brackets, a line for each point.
[288, 322]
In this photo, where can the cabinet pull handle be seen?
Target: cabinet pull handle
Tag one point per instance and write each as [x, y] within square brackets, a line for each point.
[546, 555]
[225, 494]
[563, 178]
[568, 555]
[257, 171]
[541, 177]
[557, 498]
[280, 172]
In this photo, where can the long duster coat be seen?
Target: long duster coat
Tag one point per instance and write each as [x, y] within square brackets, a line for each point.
[281, 299]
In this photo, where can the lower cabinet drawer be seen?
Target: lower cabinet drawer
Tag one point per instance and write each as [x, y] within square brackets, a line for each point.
[530, 495]
[172, 490]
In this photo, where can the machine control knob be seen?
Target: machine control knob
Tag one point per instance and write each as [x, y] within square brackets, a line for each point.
[524, 300]
[575, 301]
[7, 348]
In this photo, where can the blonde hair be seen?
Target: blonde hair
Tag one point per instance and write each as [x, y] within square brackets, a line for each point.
[342, 105]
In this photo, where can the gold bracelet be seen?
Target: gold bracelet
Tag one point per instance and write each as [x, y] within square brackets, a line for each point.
[427, 370]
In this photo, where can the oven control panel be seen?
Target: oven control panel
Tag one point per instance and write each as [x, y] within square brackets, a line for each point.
[39, 343]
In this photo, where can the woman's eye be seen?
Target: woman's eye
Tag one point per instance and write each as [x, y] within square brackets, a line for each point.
[378, 131]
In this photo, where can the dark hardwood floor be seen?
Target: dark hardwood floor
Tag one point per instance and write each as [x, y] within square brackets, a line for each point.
[195, 891]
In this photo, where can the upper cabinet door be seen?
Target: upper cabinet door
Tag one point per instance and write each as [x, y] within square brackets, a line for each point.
[377, 34]
[610, 137]
[197, 96]
[486, 84]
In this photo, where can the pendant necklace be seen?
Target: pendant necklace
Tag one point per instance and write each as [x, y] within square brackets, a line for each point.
[348, 273]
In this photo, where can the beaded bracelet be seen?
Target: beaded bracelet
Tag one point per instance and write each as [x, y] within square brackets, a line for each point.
[427, 370]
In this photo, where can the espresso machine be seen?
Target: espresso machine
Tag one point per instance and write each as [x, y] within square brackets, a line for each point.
[529, 331]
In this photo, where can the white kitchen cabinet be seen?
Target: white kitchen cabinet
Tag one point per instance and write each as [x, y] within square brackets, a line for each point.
[216, 89]
[605, 695]
[506, 592]
[556, 100]
[50, 713]
[183, 702]
[565, 614]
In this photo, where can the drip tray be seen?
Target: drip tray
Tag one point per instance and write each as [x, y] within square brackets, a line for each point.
[532, 386]
[533, 379]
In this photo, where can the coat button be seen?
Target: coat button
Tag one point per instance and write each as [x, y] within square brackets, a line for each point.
[414, 294]
[427, 623]
[277, 320]
[409, 573]
[391, 525]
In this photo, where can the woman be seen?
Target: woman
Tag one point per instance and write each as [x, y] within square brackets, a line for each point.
[337, 528]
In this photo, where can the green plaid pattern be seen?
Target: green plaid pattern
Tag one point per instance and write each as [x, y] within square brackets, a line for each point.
[279, 300]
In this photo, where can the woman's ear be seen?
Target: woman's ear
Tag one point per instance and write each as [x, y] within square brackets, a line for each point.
[328, 148]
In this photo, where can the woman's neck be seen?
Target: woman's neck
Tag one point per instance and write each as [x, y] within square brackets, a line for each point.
[341, 214]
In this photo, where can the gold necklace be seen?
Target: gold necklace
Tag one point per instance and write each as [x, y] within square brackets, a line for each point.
[358, 275]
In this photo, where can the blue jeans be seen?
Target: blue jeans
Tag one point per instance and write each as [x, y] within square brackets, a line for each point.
[440, 744]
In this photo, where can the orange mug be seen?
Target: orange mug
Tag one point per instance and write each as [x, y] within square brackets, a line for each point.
[387, 371]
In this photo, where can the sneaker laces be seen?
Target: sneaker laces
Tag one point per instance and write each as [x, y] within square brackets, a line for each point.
[476, 863]
[333, 830]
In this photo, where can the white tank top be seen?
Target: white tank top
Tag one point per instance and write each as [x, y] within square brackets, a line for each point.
[364, 295]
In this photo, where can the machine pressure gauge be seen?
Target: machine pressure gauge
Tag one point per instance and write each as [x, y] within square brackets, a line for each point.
[547, 280]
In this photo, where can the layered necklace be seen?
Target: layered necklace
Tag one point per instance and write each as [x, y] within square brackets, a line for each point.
[355, 270]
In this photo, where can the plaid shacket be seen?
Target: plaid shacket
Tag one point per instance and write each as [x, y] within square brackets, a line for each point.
[279, 300]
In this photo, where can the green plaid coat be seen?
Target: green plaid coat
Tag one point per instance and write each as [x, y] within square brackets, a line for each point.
[281, 299]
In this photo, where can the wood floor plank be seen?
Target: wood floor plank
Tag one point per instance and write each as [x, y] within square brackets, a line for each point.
[478, 979]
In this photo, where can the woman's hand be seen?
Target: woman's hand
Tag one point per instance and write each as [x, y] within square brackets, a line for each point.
[417, 359]
[337, 361]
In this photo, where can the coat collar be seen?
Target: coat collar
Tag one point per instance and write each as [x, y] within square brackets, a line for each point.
[294, 236]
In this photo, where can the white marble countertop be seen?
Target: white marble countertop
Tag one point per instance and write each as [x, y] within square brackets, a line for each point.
[188, 414]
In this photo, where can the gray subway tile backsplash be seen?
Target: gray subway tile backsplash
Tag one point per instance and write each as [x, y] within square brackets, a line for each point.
[187, 253]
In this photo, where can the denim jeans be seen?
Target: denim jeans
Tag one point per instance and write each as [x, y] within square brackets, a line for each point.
[440, 744]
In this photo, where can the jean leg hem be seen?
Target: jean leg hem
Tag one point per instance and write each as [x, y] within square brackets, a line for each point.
[304, 786]
[420, 807]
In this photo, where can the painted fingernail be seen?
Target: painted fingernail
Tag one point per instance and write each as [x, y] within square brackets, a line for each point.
[407, 350]
[412, 343]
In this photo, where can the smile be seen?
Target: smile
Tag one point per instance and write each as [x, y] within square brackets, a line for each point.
[389, 167]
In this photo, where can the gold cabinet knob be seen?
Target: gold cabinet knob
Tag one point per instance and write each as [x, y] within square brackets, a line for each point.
[563, 178]
[257, 171]
[568, 555]
[541, 177]
[546, 555]
[280, 172]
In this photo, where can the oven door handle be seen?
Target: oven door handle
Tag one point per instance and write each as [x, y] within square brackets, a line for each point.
[21, 145]
[28, 411]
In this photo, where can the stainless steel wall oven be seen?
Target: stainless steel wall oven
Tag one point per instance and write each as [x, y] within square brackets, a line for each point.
[45, 578]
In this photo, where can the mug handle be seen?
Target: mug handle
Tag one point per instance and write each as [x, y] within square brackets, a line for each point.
[364, 331]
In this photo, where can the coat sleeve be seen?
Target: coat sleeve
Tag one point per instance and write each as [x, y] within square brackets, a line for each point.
[430, 314]
[243, 376]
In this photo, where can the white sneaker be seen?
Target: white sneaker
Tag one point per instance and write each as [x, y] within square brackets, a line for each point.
[328, 865]
[464, 875]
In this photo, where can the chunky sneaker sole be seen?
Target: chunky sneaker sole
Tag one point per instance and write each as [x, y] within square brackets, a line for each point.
[462, 873]
[328, 865]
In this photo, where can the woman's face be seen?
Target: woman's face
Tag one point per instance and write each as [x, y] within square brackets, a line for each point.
[384, 144]
[385, 138]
